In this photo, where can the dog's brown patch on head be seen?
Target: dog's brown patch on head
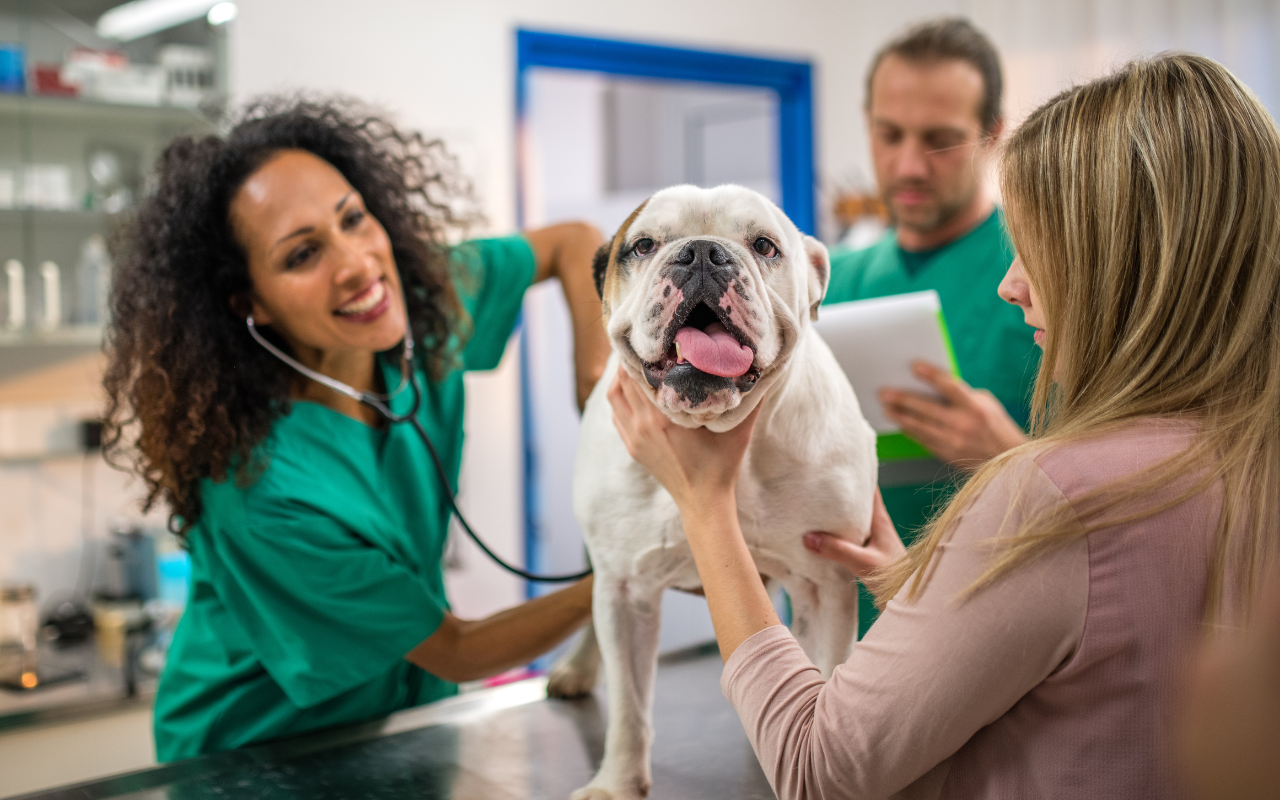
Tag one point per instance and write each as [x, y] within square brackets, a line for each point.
[605, 267]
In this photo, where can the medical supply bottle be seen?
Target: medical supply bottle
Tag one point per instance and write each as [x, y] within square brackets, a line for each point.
[51, 277]
[16, 319]
[93, 274]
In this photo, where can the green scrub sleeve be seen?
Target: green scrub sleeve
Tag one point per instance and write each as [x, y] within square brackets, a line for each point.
[325, 612]
[492, 276]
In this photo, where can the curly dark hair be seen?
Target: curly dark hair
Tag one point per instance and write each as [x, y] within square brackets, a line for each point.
[190, 394]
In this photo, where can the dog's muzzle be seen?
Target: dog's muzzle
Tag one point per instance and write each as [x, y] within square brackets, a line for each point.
[704, 351]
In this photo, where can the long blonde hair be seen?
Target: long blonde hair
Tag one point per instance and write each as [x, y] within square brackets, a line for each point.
[1146, 209]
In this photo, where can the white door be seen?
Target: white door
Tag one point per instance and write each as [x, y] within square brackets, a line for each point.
[594, 147]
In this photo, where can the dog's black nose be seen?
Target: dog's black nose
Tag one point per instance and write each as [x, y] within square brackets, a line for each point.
[703, 266]
[702, 250]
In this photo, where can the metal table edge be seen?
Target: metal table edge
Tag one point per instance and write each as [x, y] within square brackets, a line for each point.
[453, 710]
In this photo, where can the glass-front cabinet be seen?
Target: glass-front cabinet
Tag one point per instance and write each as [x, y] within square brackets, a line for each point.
[90, 93]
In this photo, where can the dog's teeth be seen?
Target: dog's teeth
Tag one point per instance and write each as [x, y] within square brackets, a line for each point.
[679, 358]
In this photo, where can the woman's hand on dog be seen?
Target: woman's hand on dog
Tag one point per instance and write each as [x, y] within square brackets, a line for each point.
[882, 545]
[699, 468]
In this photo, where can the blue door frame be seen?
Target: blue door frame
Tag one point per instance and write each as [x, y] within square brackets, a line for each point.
[793, 82]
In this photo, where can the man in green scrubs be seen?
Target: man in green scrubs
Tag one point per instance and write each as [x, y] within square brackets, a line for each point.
[933, 108]
[293, 623]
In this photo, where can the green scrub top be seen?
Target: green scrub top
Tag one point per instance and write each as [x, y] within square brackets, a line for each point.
[994, 348]
[310, 585]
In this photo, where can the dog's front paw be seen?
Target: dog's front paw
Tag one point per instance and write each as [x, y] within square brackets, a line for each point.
[569, 679]
[635, 790]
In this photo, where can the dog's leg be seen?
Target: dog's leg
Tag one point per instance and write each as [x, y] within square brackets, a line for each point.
[575, 674]
[627, 615]
[824, 620]
[837, 625]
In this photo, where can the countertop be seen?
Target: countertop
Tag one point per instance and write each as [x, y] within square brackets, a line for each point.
[505, 743]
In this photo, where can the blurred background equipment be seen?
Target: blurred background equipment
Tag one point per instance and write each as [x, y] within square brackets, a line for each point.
[113, 173]
[19, 623]
[861, 218]
[130, 567]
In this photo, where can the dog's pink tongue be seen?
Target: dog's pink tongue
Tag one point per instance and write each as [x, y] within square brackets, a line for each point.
[714, 351]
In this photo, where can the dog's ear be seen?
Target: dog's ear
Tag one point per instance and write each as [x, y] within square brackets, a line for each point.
[600, 265]
[819, 273]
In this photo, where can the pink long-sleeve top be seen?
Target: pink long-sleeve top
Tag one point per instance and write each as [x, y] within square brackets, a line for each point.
[1056, 682]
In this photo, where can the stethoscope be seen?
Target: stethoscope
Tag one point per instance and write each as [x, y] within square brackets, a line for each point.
[380, 403]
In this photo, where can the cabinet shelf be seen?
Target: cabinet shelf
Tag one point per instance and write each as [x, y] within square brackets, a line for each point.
[57, 216]
[77, 335]
[78, 110]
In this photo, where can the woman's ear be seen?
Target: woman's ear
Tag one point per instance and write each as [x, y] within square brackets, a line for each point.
[244, 304]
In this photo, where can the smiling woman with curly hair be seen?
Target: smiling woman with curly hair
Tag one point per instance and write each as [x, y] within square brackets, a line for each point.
[315, 530]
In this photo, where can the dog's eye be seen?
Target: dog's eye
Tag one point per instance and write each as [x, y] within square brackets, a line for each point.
[765, 247]
[643, 247]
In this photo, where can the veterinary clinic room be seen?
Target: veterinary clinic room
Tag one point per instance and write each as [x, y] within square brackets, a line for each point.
[685, 400]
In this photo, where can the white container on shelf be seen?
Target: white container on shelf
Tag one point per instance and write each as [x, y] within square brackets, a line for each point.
[17, 318]
[52, 296]
[188, 73]
[93, 276]
[136, 84]
[47, 186]
[108, 76]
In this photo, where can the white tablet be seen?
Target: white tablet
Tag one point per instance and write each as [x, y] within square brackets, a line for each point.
[876, 340]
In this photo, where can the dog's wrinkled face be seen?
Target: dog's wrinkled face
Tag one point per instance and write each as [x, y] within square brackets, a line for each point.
[706, 293]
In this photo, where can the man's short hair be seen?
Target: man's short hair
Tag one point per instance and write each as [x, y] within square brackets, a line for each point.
[950, 39]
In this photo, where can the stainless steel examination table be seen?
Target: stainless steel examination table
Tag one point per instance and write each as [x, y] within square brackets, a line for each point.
[506, 743]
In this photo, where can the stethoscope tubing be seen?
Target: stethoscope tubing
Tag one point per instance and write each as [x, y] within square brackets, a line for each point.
[409, 376]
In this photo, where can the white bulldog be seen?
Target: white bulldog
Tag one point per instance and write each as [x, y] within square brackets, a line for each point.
[708, 296]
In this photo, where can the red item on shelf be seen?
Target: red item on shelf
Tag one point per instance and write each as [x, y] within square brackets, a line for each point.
[48, 81]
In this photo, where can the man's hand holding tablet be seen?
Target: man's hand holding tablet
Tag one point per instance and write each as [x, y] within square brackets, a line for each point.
[965, 429]
[887, 345]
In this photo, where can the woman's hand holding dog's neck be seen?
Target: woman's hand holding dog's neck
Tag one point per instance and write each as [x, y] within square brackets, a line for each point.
[700, 470]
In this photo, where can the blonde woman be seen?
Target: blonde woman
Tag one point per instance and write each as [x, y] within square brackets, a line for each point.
[1032, 640]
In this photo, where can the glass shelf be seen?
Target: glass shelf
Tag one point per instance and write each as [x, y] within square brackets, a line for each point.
[64, 216]
[78, 110]
[80, 335]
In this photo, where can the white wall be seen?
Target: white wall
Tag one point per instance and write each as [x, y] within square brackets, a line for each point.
[448, 67]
